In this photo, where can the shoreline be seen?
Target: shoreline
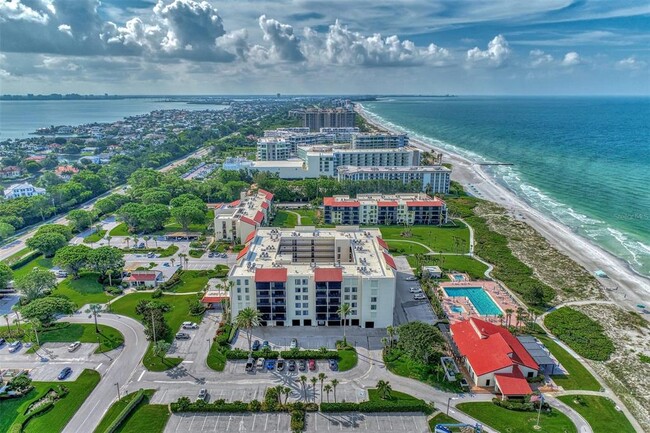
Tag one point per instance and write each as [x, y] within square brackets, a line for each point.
[624, 285]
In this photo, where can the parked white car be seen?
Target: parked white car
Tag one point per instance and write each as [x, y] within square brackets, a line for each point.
[190, 325]
[419, 297]
[74, 346]
[415, 290]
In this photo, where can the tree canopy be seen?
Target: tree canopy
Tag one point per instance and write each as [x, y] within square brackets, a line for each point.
[46, 309]
[73, 258]
[6, 275]
[47, 243]
[33, 284]
[420, 341]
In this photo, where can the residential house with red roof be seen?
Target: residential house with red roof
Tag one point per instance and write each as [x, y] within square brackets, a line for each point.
[10, 172]
[494, 357]
[385, 209]
[235, 221]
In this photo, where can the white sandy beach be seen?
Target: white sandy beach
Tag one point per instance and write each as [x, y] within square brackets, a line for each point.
[624, 286]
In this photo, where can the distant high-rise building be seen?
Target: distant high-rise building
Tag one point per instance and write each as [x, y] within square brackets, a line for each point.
[317, 118]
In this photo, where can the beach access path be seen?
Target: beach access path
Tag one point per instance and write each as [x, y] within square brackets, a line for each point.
[624, 286]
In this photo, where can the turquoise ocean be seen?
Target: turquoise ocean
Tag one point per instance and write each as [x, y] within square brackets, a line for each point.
[584, 161]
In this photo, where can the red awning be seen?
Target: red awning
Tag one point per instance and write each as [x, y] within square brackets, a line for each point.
[213, 299]
[389, 259]
[235, 203]
[425, 203]
[268, 195]
[330, 201]
[324, 275]
[138, 276]
[250, 237]
[271, 275]
[265, 205]
[243, 252]
[247, 220]
[383, 243]
[259, 217]
[387, 204]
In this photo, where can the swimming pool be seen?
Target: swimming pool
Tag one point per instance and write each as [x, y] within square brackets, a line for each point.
[484, 305]
[459, 277]
[457, 309]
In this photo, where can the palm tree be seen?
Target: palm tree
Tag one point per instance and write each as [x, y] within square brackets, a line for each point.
[173, 260]
[519, 315]
[279, 390]
[384, 342]
[303, 382]
[328, 389]
[110, 274]
[286, 391]
[128, 242]
[95, 309]
[391, 333]
[135, 241]
[313, 381]
[180, 258]
[187, 261]
[247, 319]
[335, 382]
[509, 312]
[384, 389]
[321, 377]
[343, 312]
[6, 317]
[108, 238]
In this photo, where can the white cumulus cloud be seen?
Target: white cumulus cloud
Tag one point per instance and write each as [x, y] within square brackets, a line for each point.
[539, 58]
[631, 64]
[571, 59]
[496, 54]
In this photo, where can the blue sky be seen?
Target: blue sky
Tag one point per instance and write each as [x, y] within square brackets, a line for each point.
[325, 46]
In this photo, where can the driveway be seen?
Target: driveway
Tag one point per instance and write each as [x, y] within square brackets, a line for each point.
[406, 308]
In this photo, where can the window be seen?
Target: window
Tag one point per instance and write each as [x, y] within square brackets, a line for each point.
[239, 297]
[305, 297]
[373, 299]
[354, 297]
[374, 283]
[298, 312]
[238, 282]
[246, 282]
[248, 298]
[354, 290]
[297, 304]
[346, 290]
[246, 290]
[297, 297]
[305, 282]
[238, 289]
[346, 297]
[354, 305]
[305, 305]
[297, 281]
[353, 312]
[373, 307]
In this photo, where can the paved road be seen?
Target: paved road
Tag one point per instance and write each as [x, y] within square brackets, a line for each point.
[121, 371]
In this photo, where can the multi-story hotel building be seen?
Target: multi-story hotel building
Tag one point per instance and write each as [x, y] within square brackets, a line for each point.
[302, 276]
[317, 118]
[237, 220]
[433, 179]
[385, 209]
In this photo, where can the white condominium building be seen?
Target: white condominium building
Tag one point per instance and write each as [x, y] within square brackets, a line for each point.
[236, 221]
[22, 190]
[378, 141]
[302, 276]
[433, 179]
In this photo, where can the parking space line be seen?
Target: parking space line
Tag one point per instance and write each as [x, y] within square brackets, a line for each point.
[277, 428]
[228, 425]
[204, 421]
[193, 416]
[254, 419]
[266, 421]
[216, 423]
[182, 418]
[415, 423]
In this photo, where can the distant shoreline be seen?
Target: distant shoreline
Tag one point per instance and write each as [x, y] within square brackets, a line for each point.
[630, 283]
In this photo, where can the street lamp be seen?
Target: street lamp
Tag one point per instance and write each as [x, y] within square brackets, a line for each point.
[448, 401]
[117, 385]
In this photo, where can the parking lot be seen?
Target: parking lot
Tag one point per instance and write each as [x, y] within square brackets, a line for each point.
[406, 308]
[315, 422]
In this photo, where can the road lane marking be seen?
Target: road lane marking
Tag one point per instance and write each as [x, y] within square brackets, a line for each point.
[141, 374]
[100, 364]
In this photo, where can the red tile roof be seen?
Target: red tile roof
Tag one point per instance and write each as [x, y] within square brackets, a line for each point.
[271, 275]
[250, 237]
[330, 201]
[383, 243]
[513, 384]
[243, 252]
[143, 276]
[265, 205]
[235, 203]
[248, 221]
[425, 203]
[489, 347]
[259, 217]
[323, 275]
[389, 260]
[268, 195]
[387, 203]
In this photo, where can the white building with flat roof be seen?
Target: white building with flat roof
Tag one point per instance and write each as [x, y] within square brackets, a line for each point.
[379, 140]
[235, 221]
[302, 276]
[434, 179]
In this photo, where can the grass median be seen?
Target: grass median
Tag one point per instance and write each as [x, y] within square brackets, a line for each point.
[600, 413]
[506, 420]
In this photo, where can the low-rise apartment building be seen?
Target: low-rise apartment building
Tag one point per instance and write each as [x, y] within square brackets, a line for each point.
[22, 190]
[433, 179]
[235, 221]
[302, 276]
[379, 141]
[385, 209]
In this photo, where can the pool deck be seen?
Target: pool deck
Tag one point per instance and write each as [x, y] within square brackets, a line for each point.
[500, 296]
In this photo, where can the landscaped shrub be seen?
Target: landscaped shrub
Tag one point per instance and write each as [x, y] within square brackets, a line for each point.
[378, 406]
[157, 293]
[297, 420]
[339, 407]
[254, 406]
[580, 333]
[217, 406]
[25, 259]
[309, 354]
[125, 412]
[521, 406]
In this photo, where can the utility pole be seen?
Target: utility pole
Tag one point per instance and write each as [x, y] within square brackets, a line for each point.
[153, 328]
[117, 385]
[539, 412]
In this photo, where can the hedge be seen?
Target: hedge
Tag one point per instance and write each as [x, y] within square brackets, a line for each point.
[25, 259]
[272, 354]
[378, 406]
[125, 412]
[309, 354]
[217, 406]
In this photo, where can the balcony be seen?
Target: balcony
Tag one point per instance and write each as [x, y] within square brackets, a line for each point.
[321, 309]
[263, 293]
[279, 309]
[321, 316]
[279, 302]
[279, 293]
[321, 301]
[263, 302]
[334, 294]
[279, 317]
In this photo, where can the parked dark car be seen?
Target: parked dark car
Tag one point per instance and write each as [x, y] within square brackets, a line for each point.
[334, 366]
[266, 345]
[302, 365]
[291, 365]
[64, 373]
[2, 342]
[280, 365]
[256, 345]
[182, 336]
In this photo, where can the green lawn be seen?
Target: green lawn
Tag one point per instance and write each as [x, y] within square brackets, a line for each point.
[600, 413]
[472, 267]
[510, 421]
[402, 365]
[38, 262]
[578, 377]
[173, 226]
[193, 281]
[308, 217]
[116, 409]
[95, 237]
[216, 359]
[63, 332]
[442, 418]
[178, 314]
[146, 418]
[445, 239]
[284, 219]
[16, 256]
[401, 248]
[120, 230]
[55, 419]
[83, 290]
[373, 395]
[347, 359]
